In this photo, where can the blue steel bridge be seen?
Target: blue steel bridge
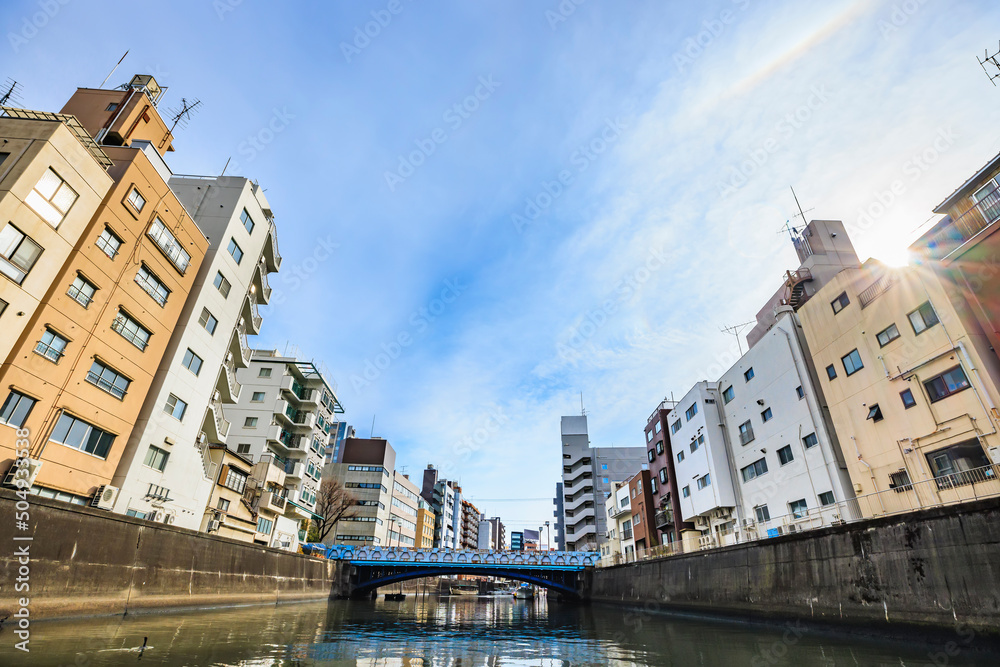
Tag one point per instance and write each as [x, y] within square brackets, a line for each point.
[370, 568]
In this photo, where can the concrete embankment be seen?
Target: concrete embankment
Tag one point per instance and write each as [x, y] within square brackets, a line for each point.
[938, 567]
[83, 561]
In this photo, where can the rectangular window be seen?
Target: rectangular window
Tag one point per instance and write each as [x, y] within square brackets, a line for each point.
[826, 498]
[691, 412]
[604, 466]
[18, 253]
[136, 200]
[169, 244]
[697, 442]
[109, 242]
[264, 525]
[16, 409]
[874, 413]
[831, 372]
[659, 447]
[192, 361]
[235, 480]
[243, 448]
[746, 432]
[656, 427]
[663, 475]
[686, 491]
[131, 330]
[175, 407]
[748, 375]
[650, 455]
[112, 106]
[250, 422]
[156, 458]
[223, 504]
[264, 373]
[649, 436]
[800, 392]
[798, 508]
[840, 303]
[950, 382]
[762, 513]
[247, 221]
[785, 455]
[754, 470]
[51, 198]
[810, 441]
[923, 318]
[887, 335]
[766, 415]
[82, 291]
[676, 426]
[680, 456]
[852, 362]
[953, 466]
[81, 435]
[235, 250]
[208, 321]
[108, 379]
[728, 394]
[257, 397]
[704, 481]
[152, 285]
[604, 479]
[222, 284]
[899, 481]
[51, 346]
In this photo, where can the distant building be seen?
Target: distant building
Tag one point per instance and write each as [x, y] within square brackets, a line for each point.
[471, 518]
[559, 525]
[402, 528]
[367, 471]
[339, 432]
[640, 492]
[425, 525]
[663, 481]
[485, 535]
[445, 498]
[498, 534]
[618, 545]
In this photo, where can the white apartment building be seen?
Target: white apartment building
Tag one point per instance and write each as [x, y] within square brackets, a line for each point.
[166, 472]
[701, 462]
[619, 545]
[404, 502]
[486, 537]
[790, 470]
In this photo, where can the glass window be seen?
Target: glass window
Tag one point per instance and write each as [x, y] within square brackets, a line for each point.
[659, 447]
[235, 480]
[697, 442]
[826, 498]
[222, 284]
[258, 397]
[156, 458]
[16, 409]
[131, 330]
[108, 379]
[663, 475]
[887, 335]
[785, 455]
[810, 441]
[192, 361]
[766, 415]
[704, 481]
[152, 285]
[81, 435]
[136, 200]
[798, 508]
[51, 346]
[175, 407]
[208, 321]
[223, 504]
[112, 106]
[264, 372]
[686, 491]
[762, 513]
[51, 198]
[800, 392]
[748, 375]
[235, 250]
[691, 412]
[82, 291]
[746, 432]
[169, 244]
[650, 455]
[831, 372]
[247, 221]
[656, 426]
[264, 525]
[923, 318]
[680, 456]
[840, 303]
[109, 242]
[874, 413]
[676, 426]
[950, 382]
[907, 397]
[604, 466]
[754, 470]
[649, 436]
[250, 422]
[18, 253]
[852, 362]
[728, 394]
[243, 448]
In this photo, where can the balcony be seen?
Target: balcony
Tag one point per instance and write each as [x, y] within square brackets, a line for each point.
[218, 420]
[875, 290]
[273, 501]
[303, 394]
[272, 258]
[295, 470]
[664, 518]
[956, 232]
[300, 418]
[230, 388]
[239, 346]
[261, 283]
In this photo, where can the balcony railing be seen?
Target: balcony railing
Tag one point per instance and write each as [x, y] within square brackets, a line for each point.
[264, 284]
[221, 425]
[982, 214]
[234, 386]
[664, 517]
[876, 289]
[254, 312]
[245, 352]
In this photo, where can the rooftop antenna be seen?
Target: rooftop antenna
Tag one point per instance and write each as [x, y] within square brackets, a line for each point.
[113, 70]
[583, 411]
[371, 433]
[183, 114]
[788, 227]
[12, 94]
[733, 330]
[987, 58]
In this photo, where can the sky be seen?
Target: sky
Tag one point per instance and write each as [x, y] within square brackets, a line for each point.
[486, 209]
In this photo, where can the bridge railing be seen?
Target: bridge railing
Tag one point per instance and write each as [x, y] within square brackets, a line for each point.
[402, 555]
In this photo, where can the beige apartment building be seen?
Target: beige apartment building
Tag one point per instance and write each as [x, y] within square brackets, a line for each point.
[903, 375]
[425, 526]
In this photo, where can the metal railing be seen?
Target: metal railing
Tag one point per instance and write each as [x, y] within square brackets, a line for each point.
[234, 386]
[221, 424]
[254, 312]
[264, 284]
[241, 334]
[875, 290]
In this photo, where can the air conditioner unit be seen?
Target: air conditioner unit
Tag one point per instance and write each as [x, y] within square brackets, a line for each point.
[213, 525]
[701, 522]
[153, 516]
[12, 476]
[724, 513]
[105, 497]
[748, 522]
[793, 528]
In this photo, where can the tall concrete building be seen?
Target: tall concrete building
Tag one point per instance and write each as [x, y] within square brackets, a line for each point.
[484, 537]
[445, 499]
[559, 525]
[367, 471]
[588, 474]
[403, 513]
[425, 525]
[665, 490]
[498, 534]
[469, 531]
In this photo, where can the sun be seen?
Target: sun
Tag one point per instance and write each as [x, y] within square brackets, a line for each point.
[894, 257]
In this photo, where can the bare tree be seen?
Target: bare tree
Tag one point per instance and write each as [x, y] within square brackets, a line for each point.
[333, 503]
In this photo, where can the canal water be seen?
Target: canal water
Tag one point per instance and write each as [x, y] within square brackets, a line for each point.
[458, 632]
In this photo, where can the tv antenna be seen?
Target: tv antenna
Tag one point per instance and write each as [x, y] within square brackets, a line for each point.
[11, 93]
[987, 58]
[583, 410]
[788, 227]
[735, 330]
[183, 115]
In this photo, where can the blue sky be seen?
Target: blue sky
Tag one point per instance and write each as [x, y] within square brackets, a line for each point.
[608, 193]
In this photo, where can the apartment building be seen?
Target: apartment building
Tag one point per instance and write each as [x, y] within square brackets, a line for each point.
[498, 533]
[341, 431]
[445, 499]
[588, 473]
[425, 525]
[403, 512]
[908, 388]
[660, 456]
[559, 514]
[367, 471]
[207, 348]
[619, 545]
[469, 531]
[83, 362]
[644, 533]
[485, 536]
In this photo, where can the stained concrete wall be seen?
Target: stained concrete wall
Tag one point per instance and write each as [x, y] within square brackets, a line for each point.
[937, 567]
[84, 561]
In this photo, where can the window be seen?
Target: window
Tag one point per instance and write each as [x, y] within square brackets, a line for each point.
[51, 198]
[81, 435]
[810, 441]
[728, 394]
[697, 442]
[840, 303]
[954, 466]
[51, 346]
[169, 244]
[136, 200]
[907, 397]
[264, 373]
[152, 285]
[258, 397]
[798, 508]
[604, 466]
[663, 475]
[247, 221]
[112, 106]
[748, 375]
[222, 284]
[604, 480]
[785, 455]
[156, 458]
[950, 382]
[923, 318]
[108, 379]
[16, 409]
[762, 513]
[3, 306]
[686, 491]
[250, 422]
[264, 525]
[680, 456]
[766, 415]
[852, 362]
[874, 413]
[131, 330]
[656, 426]
[235, 480]
[18, 253]
[175, 407]
[208, 321]
[235, 250]
[659, 447]
[82, 291]
[650, 455]
[192, 361]
[800, 392]
[636, 519]
[899, 481]
[831, 372]
[624, 502]
[754, 470]
[243, 448]
[704, 481]
[826, 498]
[649, 436]
[746, 432]
[223, 504]
[691, 412]
[887, 335]
[109, 242]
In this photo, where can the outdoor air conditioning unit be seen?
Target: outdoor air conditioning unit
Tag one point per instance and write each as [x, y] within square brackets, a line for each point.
[12, 476]
[748, 522]
[105, 497]
[701, 522]
[793, 528]
[153, 516]
[213, 525]
[724, 513]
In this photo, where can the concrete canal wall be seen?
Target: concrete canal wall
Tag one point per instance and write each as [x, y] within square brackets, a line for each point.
[83, 561]
[938, 567]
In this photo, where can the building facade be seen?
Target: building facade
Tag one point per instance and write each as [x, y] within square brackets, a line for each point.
[659, 454]
[403, 512]
[367, 471]
[559, 514]
[644, 533]
[469, 532]
[425, 525]
[498, 533]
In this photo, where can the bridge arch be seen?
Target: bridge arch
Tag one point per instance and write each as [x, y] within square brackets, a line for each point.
[368, 578]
